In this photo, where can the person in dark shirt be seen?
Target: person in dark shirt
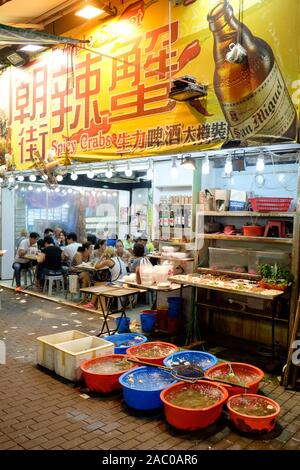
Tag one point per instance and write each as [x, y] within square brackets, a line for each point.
[48, 232]
[49, 260]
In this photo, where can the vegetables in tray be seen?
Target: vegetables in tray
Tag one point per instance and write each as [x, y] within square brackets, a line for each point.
[274, 277]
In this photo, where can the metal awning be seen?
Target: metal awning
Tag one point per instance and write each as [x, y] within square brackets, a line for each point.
[10, 35]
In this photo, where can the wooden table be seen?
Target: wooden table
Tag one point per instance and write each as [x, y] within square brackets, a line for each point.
[88, 267]
[109, 294]
[265, 294]
[155, 288]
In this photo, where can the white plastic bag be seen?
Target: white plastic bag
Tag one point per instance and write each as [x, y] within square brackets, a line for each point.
[146, 272]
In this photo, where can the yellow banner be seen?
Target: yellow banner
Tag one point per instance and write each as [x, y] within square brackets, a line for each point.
[111, 99]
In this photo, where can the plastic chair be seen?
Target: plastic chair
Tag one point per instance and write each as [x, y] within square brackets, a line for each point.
[24, 273]
[51, 279]
[279, 224]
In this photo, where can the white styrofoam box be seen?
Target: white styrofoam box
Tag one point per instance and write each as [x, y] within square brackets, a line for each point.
[68, 356]
[46, 345]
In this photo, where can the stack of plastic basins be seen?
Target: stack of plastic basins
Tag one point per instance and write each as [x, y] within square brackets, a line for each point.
[174, 314]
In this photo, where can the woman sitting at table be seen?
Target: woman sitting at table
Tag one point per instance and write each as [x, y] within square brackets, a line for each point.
[116, 267]
[139, 254]
[100, 248]
[83, 255]
[122, 253]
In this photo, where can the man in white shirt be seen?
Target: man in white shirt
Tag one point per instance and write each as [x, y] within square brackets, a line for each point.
[26, 247]
[70, 250]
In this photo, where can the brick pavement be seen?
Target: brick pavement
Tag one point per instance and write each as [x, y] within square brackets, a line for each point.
[39, 410]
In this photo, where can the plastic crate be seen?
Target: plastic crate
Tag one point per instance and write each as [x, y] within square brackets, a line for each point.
[228, 259]
[68, 356]
[270, 204]
[46, 345]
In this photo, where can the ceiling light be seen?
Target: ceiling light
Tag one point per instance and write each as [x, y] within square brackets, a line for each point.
[32, 48]
[74, 176]
[70, 191]
[44, 188]
[59, 178]
[30, 188]
[32, 178]
[228, 166]
[20, 178]
[16, 186]
[89, 11]
[128, 171]
[38, 190]
[205, 166]
[11, 179]
[109, 172]
[90, 174]
[188, 163]
[57, 190]
[174, 169]
[260, 163]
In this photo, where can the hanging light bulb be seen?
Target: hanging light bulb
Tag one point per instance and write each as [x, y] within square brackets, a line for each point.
[30, 187]
[44, 188]
[70, 191]
[128, 171]
[260, 163]
[205, 166]
[11, 179]
[38, 190]
[59, 178]
[20, 178]
[74, 176]
[90, 174]
[32, 178]
[109, 172]
[228, 166]
[174, 169]
[57, 190]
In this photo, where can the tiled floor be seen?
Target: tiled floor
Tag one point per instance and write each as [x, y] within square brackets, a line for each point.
[38, 410]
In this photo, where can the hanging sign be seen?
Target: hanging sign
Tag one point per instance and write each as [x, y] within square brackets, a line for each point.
[111, 99]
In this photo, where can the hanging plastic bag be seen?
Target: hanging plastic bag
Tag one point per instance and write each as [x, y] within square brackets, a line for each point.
[146, 272]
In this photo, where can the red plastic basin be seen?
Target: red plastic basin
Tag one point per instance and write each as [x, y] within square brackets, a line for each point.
[103, 383]
[191, 419]
[246, 369]
[253, 424]
[167, 349]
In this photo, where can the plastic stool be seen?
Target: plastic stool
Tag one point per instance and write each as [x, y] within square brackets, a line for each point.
[24, 273]
[51, 279]
[275, 224]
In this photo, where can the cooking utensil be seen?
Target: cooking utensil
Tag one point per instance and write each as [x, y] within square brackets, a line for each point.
[183, 372]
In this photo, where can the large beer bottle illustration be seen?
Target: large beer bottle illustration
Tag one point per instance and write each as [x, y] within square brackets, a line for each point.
[252, 94]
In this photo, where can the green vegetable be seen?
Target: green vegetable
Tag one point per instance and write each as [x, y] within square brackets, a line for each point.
[274, 274]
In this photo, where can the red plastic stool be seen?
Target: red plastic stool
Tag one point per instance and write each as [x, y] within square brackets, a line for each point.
[275, 224]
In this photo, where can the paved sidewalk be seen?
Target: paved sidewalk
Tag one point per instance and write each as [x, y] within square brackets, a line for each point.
[41, 411]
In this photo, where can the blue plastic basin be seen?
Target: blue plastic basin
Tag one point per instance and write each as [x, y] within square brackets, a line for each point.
[198, 358]
[142, 387]
[124, 341]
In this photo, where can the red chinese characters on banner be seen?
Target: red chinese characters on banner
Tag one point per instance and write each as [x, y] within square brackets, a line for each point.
[144, 99]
